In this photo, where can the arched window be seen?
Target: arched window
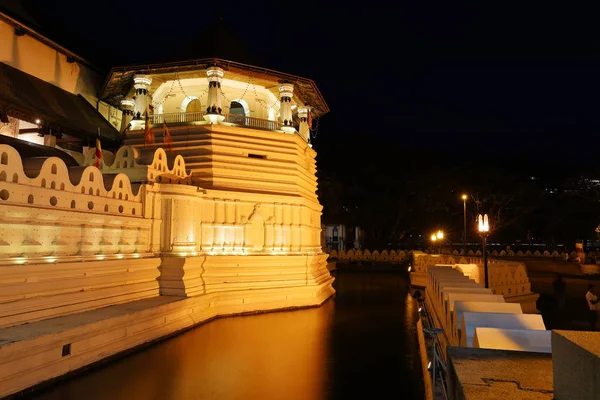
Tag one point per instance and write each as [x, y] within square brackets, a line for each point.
[191, 104]
[238, 109]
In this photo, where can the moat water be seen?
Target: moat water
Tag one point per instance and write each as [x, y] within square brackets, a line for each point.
[361, 343]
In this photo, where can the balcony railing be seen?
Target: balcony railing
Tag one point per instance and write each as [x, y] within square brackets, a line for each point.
[175, 118]
[251, 122]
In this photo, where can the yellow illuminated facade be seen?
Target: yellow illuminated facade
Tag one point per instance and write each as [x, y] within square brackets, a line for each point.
[156, 239]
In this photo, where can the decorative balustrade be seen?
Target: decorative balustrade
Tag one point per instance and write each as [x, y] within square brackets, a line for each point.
[367, 255]
[387, 256]
[175, 118]
[251, 122]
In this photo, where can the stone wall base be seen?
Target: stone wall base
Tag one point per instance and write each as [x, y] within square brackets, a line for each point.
[35, 353]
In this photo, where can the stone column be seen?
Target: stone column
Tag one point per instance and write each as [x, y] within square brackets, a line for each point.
[286, 92]
[214, 109]
[304, 129]
[141, 83]
[46, 133]
[127, 106]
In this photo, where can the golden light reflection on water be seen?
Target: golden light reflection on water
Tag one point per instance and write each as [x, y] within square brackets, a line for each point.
[267, 356]
[360, 344]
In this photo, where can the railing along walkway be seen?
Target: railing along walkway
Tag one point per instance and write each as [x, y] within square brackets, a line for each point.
[251, 122]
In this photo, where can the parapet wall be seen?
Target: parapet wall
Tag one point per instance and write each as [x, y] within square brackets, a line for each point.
[508, 278]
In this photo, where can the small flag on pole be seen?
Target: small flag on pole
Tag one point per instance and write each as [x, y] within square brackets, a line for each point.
[167, 139]
[148, 134]
[98, 153]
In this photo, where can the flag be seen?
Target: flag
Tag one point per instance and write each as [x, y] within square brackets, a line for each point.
[309, 119]
[167, 139]
[98, 153]
[148, 134]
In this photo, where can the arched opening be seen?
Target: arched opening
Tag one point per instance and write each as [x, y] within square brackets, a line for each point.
[238, 109]
[189, 105]
[194, 106]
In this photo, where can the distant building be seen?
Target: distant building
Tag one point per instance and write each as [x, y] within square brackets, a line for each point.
[341, 237]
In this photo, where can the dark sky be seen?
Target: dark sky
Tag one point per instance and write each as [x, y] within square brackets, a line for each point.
[443, 74]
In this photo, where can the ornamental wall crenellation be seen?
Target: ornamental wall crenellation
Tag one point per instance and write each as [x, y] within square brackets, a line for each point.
[47, 215]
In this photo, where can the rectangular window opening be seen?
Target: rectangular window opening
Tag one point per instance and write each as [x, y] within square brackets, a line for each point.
[256, 156]
[66, 350]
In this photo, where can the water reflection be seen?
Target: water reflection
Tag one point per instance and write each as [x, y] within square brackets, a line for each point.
[361, 343]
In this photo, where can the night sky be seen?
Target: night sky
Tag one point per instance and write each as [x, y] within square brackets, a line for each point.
[482, 76]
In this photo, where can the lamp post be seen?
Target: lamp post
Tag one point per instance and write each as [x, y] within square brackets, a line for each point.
[440, 238]
[433, 239]
[483, 227]
[464, 199]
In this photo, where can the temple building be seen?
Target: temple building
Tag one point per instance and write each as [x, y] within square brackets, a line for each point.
[141, 202]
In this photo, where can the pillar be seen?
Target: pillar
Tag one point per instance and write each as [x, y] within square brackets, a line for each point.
[141, 83]
[49, 140]
[127, 106]
[214, 109]
[286, 92]
[46, 133]
[304, 129]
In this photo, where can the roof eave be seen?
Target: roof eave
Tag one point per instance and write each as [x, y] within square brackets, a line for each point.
[203, 63]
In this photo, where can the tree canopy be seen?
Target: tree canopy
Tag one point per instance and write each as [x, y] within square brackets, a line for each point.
[393, 192]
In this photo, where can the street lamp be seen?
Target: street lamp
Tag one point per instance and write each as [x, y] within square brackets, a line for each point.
[440, 238]
[464, 199]
[483, 227]
[433, 239]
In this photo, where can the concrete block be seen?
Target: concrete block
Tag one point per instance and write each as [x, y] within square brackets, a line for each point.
[464, 289]
[453, 323]
[576, 365]
[473, 320]
[513, 339]
[478, 306]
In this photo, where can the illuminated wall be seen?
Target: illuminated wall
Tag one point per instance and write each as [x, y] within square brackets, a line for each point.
[81, 238]
[42, 61]
[174, 96]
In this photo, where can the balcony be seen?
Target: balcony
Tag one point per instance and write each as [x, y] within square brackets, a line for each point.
[238, 120]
